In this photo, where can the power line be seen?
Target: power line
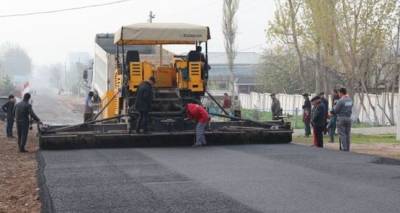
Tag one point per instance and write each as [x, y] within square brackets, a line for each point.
[251, 47]
[64, 9]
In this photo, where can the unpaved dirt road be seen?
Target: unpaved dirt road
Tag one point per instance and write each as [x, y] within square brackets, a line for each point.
[58, 109]
[19, 190]
[18, 183]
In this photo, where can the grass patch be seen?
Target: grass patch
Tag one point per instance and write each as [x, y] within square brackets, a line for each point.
[355, 138]
[297, 121]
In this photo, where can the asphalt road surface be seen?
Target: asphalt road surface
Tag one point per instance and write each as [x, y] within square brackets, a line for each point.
[247, 178]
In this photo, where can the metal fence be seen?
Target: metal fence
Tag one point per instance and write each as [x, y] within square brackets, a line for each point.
[292, 104]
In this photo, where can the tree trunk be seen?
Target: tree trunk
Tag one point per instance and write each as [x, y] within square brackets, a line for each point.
[296, 43]
[318, 68]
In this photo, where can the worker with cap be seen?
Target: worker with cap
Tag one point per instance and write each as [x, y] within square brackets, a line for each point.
[197, 113]
[23, 114]
[318, 121]
[144, 99]
[307, 114]
[9, 109]
[275, 107]
[343, 110]
[89, 107]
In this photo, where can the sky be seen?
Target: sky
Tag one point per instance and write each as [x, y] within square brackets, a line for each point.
[49, 38]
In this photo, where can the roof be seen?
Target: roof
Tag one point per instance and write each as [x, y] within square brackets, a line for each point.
[241, 58]
[241, 79]
[161, 33]
[106, 42]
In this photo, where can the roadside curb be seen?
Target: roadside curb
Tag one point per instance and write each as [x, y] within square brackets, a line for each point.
[45, 198]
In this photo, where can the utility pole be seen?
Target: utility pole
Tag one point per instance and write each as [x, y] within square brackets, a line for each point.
[151, 17]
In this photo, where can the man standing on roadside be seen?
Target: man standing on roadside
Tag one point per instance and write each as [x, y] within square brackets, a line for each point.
[343, 111]
[9, 109]
[275, 107]
[227, 103]
[144, 99]
[307, 114]
[333, 118]
[325, 104]
[318, 121]
[89, 107]
[23, 113]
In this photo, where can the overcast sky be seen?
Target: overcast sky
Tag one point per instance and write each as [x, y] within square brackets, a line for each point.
[49, 37]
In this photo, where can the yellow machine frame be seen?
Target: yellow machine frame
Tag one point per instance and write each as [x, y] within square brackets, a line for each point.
[181, 74]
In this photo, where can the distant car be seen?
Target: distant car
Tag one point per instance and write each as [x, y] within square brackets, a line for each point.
[3, 100]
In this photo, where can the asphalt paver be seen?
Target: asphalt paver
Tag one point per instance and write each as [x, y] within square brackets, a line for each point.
[245, 178]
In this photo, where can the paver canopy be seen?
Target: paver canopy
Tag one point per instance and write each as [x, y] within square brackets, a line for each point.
[161, 33]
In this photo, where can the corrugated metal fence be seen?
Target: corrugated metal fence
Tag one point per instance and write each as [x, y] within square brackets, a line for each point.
[292, 104]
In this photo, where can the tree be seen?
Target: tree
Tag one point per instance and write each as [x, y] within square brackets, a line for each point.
[6, 85]
[350, 43]
[15, 60]
[278, 72]
[229, 27]
[287, 28]
[56, 75]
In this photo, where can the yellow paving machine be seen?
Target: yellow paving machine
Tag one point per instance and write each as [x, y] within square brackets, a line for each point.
[180, 79]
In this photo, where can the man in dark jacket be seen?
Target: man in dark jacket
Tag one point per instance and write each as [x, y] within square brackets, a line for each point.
[9, 109]
[23, 113]
[144, 98]
[325, 105]
[318, 121]
[307, 114]
[275, 107]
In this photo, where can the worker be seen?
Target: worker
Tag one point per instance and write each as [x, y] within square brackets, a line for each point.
[9, 109]
[307, 114]
[227, 103]
[332, 117]
[318, 121]
[200, 115]
[196, 55]
[144, 99]
[89, 107]
[325, 104]
[343, 110]
[23, 114]
[275, 107]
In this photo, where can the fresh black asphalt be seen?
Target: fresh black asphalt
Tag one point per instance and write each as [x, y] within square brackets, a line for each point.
[245, 178]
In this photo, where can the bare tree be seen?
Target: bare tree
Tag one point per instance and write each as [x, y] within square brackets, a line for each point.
[229, 27]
